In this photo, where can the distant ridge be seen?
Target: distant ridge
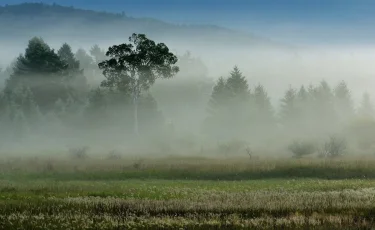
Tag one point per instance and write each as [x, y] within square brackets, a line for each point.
[61, 22]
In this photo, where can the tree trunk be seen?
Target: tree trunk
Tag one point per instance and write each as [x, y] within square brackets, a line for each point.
[135, 102]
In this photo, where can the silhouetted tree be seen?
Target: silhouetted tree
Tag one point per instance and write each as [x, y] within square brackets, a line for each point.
[134, 67]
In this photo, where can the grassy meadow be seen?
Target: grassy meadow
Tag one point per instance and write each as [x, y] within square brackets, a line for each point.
[186, 193]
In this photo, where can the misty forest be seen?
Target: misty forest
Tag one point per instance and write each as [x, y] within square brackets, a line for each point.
[140, 95]
[113, 122]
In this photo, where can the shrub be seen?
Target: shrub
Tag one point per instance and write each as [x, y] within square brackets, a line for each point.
[79, 153]
[231, 147]
[334, 147]
[113, 155]
[300, 149]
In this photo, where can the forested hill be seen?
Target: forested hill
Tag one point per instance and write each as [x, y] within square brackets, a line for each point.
[53, 22]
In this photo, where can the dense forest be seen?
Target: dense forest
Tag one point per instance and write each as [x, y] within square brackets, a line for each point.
[64, 97]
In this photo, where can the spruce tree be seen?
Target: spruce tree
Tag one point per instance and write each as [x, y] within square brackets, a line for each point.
[66, 55]
[237, 85]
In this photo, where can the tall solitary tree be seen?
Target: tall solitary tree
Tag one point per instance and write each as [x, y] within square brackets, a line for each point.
[133, 67]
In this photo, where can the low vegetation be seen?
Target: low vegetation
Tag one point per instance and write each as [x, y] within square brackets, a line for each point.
[186, 192]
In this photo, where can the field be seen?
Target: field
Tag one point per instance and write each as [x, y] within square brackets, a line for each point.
[186, 193]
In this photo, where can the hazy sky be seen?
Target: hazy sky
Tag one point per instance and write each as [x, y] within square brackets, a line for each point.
[300, 21]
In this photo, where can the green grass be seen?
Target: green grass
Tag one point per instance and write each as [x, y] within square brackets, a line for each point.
[185, 193]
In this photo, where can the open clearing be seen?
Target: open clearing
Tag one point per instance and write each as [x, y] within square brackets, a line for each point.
[186, 193]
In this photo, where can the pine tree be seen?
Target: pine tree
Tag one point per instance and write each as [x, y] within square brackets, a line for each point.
[366, 108]
[219, 97]
[289, 109]
[263, 104]
[302, 96]
[229, 104]
[39, 59]
[66, 55]
[323, 108]
[41, 70]
[237, 85]
[343, 102]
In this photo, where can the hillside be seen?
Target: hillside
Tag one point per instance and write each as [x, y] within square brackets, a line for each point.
[57, 22]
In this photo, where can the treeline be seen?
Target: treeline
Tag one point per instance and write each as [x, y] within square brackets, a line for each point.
[64, 95]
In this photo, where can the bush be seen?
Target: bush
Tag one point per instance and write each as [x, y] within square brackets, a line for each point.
[79, 153]
[300, 149]
[232, 147]
[113, 155]
[334, 147]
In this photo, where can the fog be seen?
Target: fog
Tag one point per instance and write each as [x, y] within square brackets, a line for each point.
[175, 118]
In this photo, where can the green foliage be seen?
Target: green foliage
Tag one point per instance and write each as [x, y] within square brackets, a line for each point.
[137, 65]
[41, 70]
[132, 68]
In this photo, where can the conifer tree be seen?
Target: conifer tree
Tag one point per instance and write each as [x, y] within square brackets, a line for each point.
[66, 55]
[219, 96]
[237, 85]
[42, 71]
[263, 104]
